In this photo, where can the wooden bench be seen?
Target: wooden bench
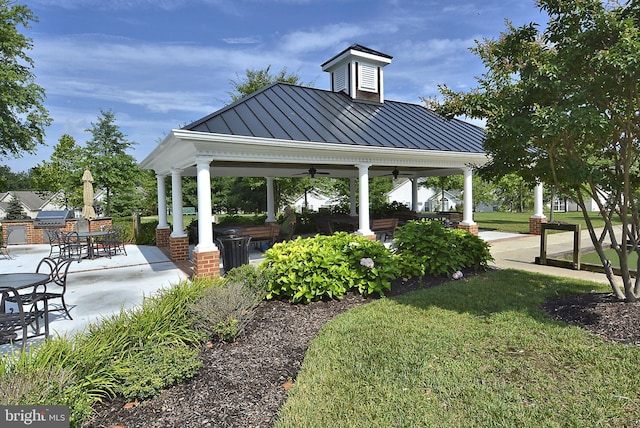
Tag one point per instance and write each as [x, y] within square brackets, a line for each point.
[384, 227]
[261, 234]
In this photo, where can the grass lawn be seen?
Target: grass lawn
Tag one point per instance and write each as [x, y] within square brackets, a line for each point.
[593, 258]
[474, 352]
[519, 222]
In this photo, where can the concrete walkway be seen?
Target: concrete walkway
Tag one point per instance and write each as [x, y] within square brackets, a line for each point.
[513, 251]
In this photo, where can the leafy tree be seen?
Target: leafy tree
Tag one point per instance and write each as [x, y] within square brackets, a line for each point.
[15, 211]
[484, 192]
[23, 117]
[62, 172]
[255, 79]
[284, 188]
[112, 168]
[13, 180]
[563, 107]
[514, 194]
[149, 190]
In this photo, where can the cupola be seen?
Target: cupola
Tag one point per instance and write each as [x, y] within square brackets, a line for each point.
[357, 71]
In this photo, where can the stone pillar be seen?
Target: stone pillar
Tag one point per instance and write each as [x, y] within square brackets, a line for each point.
[467, 222]
[162, 201]
[538, 217]
[271, 206]
[176, 203]
[178, 240]
[363, 181]
[206, 256]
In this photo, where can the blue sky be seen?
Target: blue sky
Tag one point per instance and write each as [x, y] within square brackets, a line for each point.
[161, 64]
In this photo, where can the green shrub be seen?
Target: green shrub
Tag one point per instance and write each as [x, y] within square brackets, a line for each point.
[427, 247]
[225, 310]
[251, 276]
[309, 269]
[44, 386]
[87, 366]
[147, 233]
[145, 372]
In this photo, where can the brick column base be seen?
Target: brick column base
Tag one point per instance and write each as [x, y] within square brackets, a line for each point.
[98, 224]
[206, 264]
[371, 237]
[473, 228]
[162, 237]
[179, 248]
[535, 225]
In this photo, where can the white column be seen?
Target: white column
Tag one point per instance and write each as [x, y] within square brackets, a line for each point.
[538, 206]
[205, 227]
[363, 181]
[271, 210]
[353, 211]
[162, 202]
[467, 215]
[414, 194]
[176, 203]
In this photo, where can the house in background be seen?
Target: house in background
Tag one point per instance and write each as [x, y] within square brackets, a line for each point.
[32, 202]
[427, 198]
[313, 200]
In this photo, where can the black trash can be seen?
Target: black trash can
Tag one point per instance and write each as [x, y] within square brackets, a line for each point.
[234, 251]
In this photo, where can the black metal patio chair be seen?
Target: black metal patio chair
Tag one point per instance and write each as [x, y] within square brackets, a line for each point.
[55, 288]
[57, 246]
[18, 323]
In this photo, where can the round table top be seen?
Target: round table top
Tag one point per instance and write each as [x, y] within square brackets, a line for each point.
[22, 280]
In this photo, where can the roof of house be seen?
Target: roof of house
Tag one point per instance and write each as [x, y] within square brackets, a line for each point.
[32, 200]
[289, 112]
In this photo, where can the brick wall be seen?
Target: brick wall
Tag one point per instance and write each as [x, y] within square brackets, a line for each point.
[179, 248]
[206, 264]
[98, 224]
[162, 237]
[535, 225]
[37, 235]
[473, 228]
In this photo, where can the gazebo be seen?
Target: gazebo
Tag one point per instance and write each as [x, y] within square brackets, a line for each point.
[287, 130]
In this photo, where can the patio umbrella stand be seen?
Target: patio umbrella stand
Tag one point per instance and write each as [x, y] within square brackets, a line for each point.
[87, 195]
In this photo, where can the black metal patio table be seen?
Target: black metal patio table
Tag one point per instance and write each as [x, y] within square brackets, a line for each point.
[89, 237]
[21, 280]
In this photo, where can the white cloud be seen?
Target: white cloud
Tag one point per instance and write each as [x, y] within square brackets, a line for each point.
[242, 40]
[227, 5]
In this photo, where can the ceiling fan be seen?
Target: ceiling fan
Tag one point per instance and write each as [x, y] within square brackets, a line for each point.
[313, 172]
[396, 173]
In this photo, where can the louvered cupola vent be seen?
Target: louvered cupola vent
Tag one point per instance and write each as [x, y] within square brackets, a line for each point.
[358, 71]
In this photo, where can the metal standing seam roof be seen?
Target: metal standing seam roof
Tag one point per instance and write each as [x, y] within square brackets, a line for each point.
[297, 113]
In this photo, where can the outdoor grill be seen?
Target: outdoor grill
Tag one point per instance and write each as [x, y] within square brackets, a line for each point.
[52, 218]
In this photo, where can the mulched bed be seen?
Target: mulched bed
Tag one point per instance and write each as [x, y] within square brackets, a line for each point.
[243, 384]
